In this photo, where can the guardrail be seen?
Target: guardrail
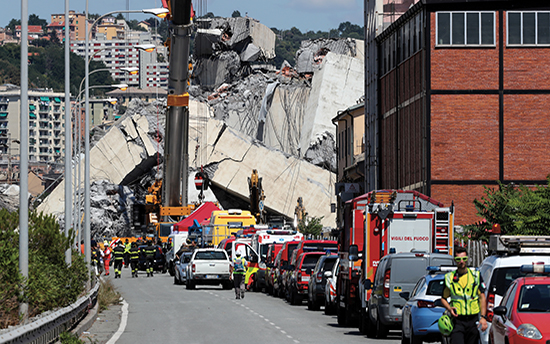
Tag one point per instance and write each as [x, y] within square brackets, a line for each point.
[48, 328]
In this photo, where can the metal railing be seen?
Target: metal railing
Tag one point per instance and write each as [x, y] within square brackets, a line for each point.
[48, 328]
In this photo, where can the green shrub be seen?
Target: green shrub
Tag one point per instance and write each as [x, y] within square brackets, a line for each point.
[51, 283]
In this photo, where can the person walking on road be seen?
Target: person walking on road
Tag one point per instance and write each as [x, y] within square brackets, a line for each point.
[134, 259]
[127, 247]
[95, 259]
[106, 256]
[118, 252]
[467, 307]
[150, 252]
[238, 266]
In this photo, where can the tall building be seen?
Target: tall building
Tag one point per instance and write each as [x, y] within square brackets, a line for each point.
[77, 25]
[46, 124]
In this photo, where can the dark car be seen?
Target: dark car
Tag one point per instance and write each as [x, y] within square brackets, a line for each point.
[318, 280]
[300, 276]
[159, 264]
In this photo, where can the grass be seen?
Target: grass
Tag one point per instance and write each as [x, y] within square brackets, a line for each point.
[107, 295]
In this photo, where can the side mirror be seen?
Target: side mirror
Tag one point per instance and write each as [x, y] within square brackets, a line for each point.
[368, 284]
[405, 295]
[328, 274]
[353, 253]
[438, 303]
[500, 310]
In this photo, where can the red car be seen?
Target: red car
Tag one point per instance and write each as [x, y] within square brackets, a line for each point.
[524, 312]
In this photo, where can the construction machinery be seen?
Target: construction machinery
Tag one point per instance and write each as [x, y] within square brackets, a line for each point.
[257, 197]
[167, 199]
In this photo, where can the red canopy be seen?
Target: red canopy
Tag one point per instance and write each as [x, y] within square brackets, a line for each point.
[200, 214]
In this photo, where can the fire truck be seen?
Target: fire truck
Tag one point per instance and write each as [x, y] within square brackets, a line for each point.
[376, 224]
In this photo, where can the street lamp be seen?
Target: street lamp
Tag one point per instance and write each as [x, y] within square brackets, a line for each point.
[157, 12]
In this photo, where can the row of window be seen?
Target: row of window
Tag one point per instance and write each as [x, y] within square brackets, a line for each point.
[478, 28]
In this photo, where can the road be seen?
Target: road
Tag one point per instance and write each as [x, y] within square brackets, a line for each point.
[161, 312]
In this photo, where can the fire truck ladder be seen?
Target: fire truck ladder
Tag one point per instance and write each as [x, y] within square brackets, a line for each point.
[443, 237]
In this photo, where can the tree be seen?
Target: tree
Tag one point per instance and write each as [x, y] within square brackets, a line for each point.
[236, 14]
[310, 226]
[160, 58]
[12, 24]
[120, 16]
[35, 20]
[53, 37]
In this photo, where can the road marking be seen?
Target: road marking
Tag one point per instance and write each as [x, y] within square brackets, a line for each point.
[123, 322]
[283, 332]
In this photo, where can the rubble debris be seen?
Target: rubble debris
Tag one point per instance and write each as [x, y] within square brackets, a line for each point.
[312, 52]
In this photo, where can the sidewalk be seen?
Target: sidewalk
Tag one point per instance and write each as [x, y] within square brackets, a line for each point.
[104, 327]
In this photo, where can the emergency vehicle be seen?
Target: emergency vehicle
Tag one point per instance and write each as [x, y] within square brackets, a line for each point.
[261, 241]
[374, 224]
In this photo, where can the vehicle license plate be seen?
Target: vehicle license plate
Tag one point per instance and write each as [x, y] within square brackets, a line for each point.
[305, 278]
[212, 276]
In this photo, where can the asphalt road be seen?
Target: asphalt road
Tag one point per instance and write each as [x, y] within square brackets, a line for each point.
[161, 312]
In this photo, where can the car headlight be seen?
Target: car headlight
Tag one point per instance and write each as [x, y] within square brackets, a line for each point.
[529, 331]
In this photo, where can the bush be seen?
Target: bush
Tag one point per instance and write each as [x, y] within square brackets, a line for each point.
[51, 283]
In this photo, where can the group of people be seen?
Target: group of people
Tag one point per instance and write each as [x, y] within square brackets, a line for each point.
[119, 254]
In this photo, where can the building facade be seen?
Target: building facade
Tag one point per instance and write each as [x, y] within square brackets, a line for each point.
[76, 20]
[463, 88]
[46, 125]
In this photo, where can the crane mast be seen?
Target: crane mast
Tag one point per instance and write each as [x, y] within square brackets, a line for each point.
[176, 156]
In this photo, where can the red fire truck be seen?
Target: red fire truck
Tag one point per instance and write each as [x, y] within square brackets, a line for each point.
[376, 223]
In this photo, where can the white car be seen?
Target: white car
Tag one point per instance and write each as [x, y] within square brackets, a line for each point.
[330, 290]
[498, 272]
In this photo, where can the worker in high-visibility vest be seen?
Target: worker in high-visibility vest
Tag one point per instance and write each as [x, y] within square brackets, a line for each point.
[467, 307]
[134, 259]
[127, 247]
[238, 266]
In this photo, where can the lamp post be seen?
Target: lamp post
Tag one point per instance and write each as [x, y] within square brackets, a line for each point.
[159, 12]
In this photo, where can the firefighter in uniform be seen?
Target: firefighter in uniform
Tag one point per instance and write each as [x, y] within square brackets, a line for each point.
[118, 252]
[150, 252]
[134, 259]
[238, 266]
[95, 259]
[466, 289]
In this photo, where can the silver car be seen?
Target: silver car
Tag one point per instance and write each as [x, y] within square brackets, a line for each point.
[330, 289]
[180, 268]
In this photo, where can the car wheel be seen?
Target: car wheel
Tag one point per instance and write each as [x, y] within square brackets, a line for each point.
[341, 315]
[414, 339]
[404, 339]
[368, 326]
[381, 329]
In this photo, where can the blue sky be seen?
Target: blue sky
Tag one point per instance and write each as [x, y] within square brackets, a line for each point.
[306, 15]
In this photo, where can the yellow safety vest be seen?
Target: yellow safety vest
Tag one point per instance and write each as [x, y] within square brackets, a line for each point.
[465, 300]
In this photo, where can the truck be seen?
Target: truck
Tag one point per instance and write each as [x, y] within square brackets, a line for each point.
[261, 241]
[225, 223]
[376, 224]
[209, 266]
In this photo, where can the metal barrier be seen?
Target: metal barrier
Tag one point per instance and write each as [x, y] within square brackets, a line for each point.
[47, 329]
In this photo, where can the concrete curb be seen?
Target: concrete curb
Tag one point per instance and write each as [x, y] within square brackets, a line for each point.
[87, 322]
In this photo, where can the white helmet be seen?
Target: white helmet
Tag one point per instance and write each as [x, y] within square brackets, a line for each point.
[238, 254]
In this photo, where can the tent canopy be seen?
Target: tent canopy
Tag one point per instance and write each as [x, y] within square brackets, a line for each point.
[200, 214]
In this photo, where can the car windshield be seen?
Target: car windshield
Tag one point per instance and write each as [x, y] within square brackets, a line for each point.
[321, 247]
[210, 255]
[436, 287]
[310, 261]
[502, 278]
[534, 298]
[329, 264]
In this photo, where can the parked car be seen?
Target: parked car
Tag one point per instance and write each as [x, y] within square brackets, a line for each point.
[330, 289]
[397, 273]
[419, 313]
[498, 273]
[180, 268]
[524, 312]
[318, 280]
[272, 253]
[159, 263]
[282, 268]
[300, 276]
[208, 266]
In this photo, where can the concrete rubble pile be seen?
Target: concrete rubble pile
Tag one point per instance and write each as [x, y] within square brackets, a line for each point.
[9, 197]
[290, 109]
[243, 116]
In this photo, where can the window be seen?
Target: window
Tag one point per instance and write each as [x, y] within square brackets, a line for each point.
[465, 28]
[528, 28]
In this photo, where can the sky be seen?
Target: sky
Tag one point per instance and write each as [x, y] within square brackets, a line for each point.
[306, 15]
